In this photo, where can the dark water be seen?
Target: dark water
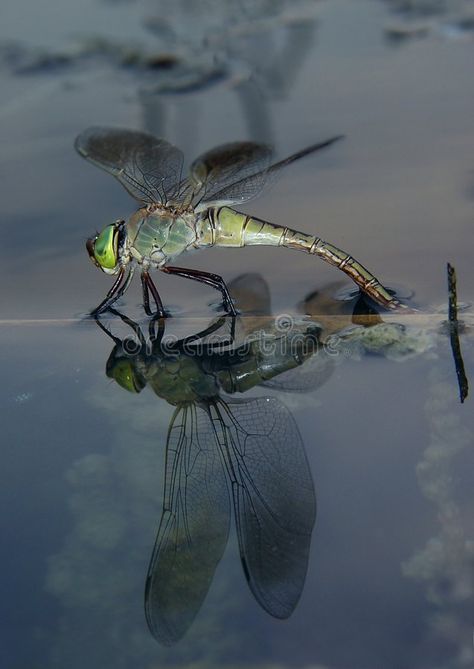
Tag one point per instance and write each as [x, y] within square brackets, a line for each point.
[390, 576]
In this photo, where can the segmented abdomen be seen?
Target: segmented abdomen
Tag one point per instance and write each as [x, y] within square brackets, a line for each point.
[222, 226]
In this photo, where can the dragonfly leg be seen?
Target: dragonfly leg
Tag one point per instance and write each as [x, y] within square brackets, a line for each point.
[156, 330]
[131, 324]
[209, 279]
[210, 345]
[105, 329]
[146, 295]
[118, 289]
[149, 287]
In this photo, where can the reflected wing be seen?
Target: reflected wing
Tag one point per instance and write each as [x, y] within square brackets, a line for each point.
[194, 526]
[311, 374]
[149, 168]
[249, 185]
[273, 496]
[218, 169]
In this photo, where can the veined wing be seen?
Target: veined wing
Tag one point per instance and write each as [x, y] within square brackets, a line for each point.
[224, 165]
[310, 375]
[194, 526]
[149, 168]
[273, 496]
[248, 186]
[251, 294]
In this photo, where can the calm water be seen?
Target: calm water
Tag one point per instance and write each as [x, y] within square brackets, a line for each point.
[390, 576]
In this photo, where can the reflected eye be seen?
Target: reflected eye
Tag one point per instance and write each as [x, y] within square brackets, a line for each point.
[124, 373]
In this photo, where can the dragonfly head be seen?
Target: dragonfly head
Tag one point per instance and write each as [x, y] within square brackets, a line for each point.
[123, 372]
[104, 249]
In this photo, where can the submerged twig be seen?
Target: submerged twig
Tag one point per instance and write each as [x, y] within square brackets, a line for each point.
[454, 335]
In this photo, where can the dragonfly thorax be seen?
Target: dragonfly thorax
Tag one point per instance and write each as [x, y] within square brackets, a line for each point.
[155, 236]
[180, 379]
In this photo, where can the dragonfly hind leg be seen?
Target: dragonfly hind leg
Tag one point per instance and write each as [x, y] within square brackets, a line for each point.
[149, 287]
[213, 280]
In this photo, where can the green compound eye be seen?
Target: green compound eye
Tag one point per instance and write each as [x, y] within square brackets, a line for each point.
[106, 247]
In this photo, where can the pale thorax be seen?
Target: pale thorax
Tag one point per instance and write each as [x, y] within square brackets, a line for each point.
[157, 236]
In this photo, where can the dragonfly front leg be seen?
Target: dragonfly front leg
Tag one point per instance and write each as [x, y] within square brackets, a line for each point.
[209, 279]
[147, 287]
[115, 293]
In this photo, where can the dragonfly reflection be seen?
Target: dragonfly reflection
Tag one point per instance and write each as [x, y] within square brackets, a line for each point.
[244, 456]
[225, 454]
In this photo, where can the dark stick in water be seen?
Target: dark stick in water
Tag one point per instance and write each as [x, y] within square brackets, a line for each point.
[454, 335]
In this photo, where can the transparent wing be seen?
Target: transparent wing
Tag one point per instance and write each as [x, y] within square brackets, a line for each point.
[251, 294]
[248, 186]
[273, 496]
[219, 168]
[149, 168]
[194, 526]
[311, 374]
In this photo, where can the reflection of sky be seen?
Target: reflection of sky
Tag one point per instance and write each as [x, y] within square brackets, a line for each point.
[444, 566]
[78, 455]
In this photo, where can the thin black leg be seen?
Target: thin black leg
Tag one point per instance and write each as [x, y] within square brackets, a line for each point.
[156, 330]
[131, 324]
[118, 289]
[213, 280]
[146, 294]
[156, 296]
[147, 287]
[105, 329]
[212, 345]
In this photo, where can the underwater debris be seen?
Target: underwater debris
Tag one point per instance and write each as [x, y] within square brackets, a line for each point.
[454, 335]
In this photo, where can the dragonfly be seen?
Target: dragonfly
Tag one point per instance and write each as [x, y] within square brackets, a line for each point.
[178, 215]
[225, 455]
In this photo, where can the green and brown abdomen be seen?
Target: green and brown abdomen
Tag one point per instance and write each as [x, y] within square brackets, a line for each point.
[158, 238]
[223, 226]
